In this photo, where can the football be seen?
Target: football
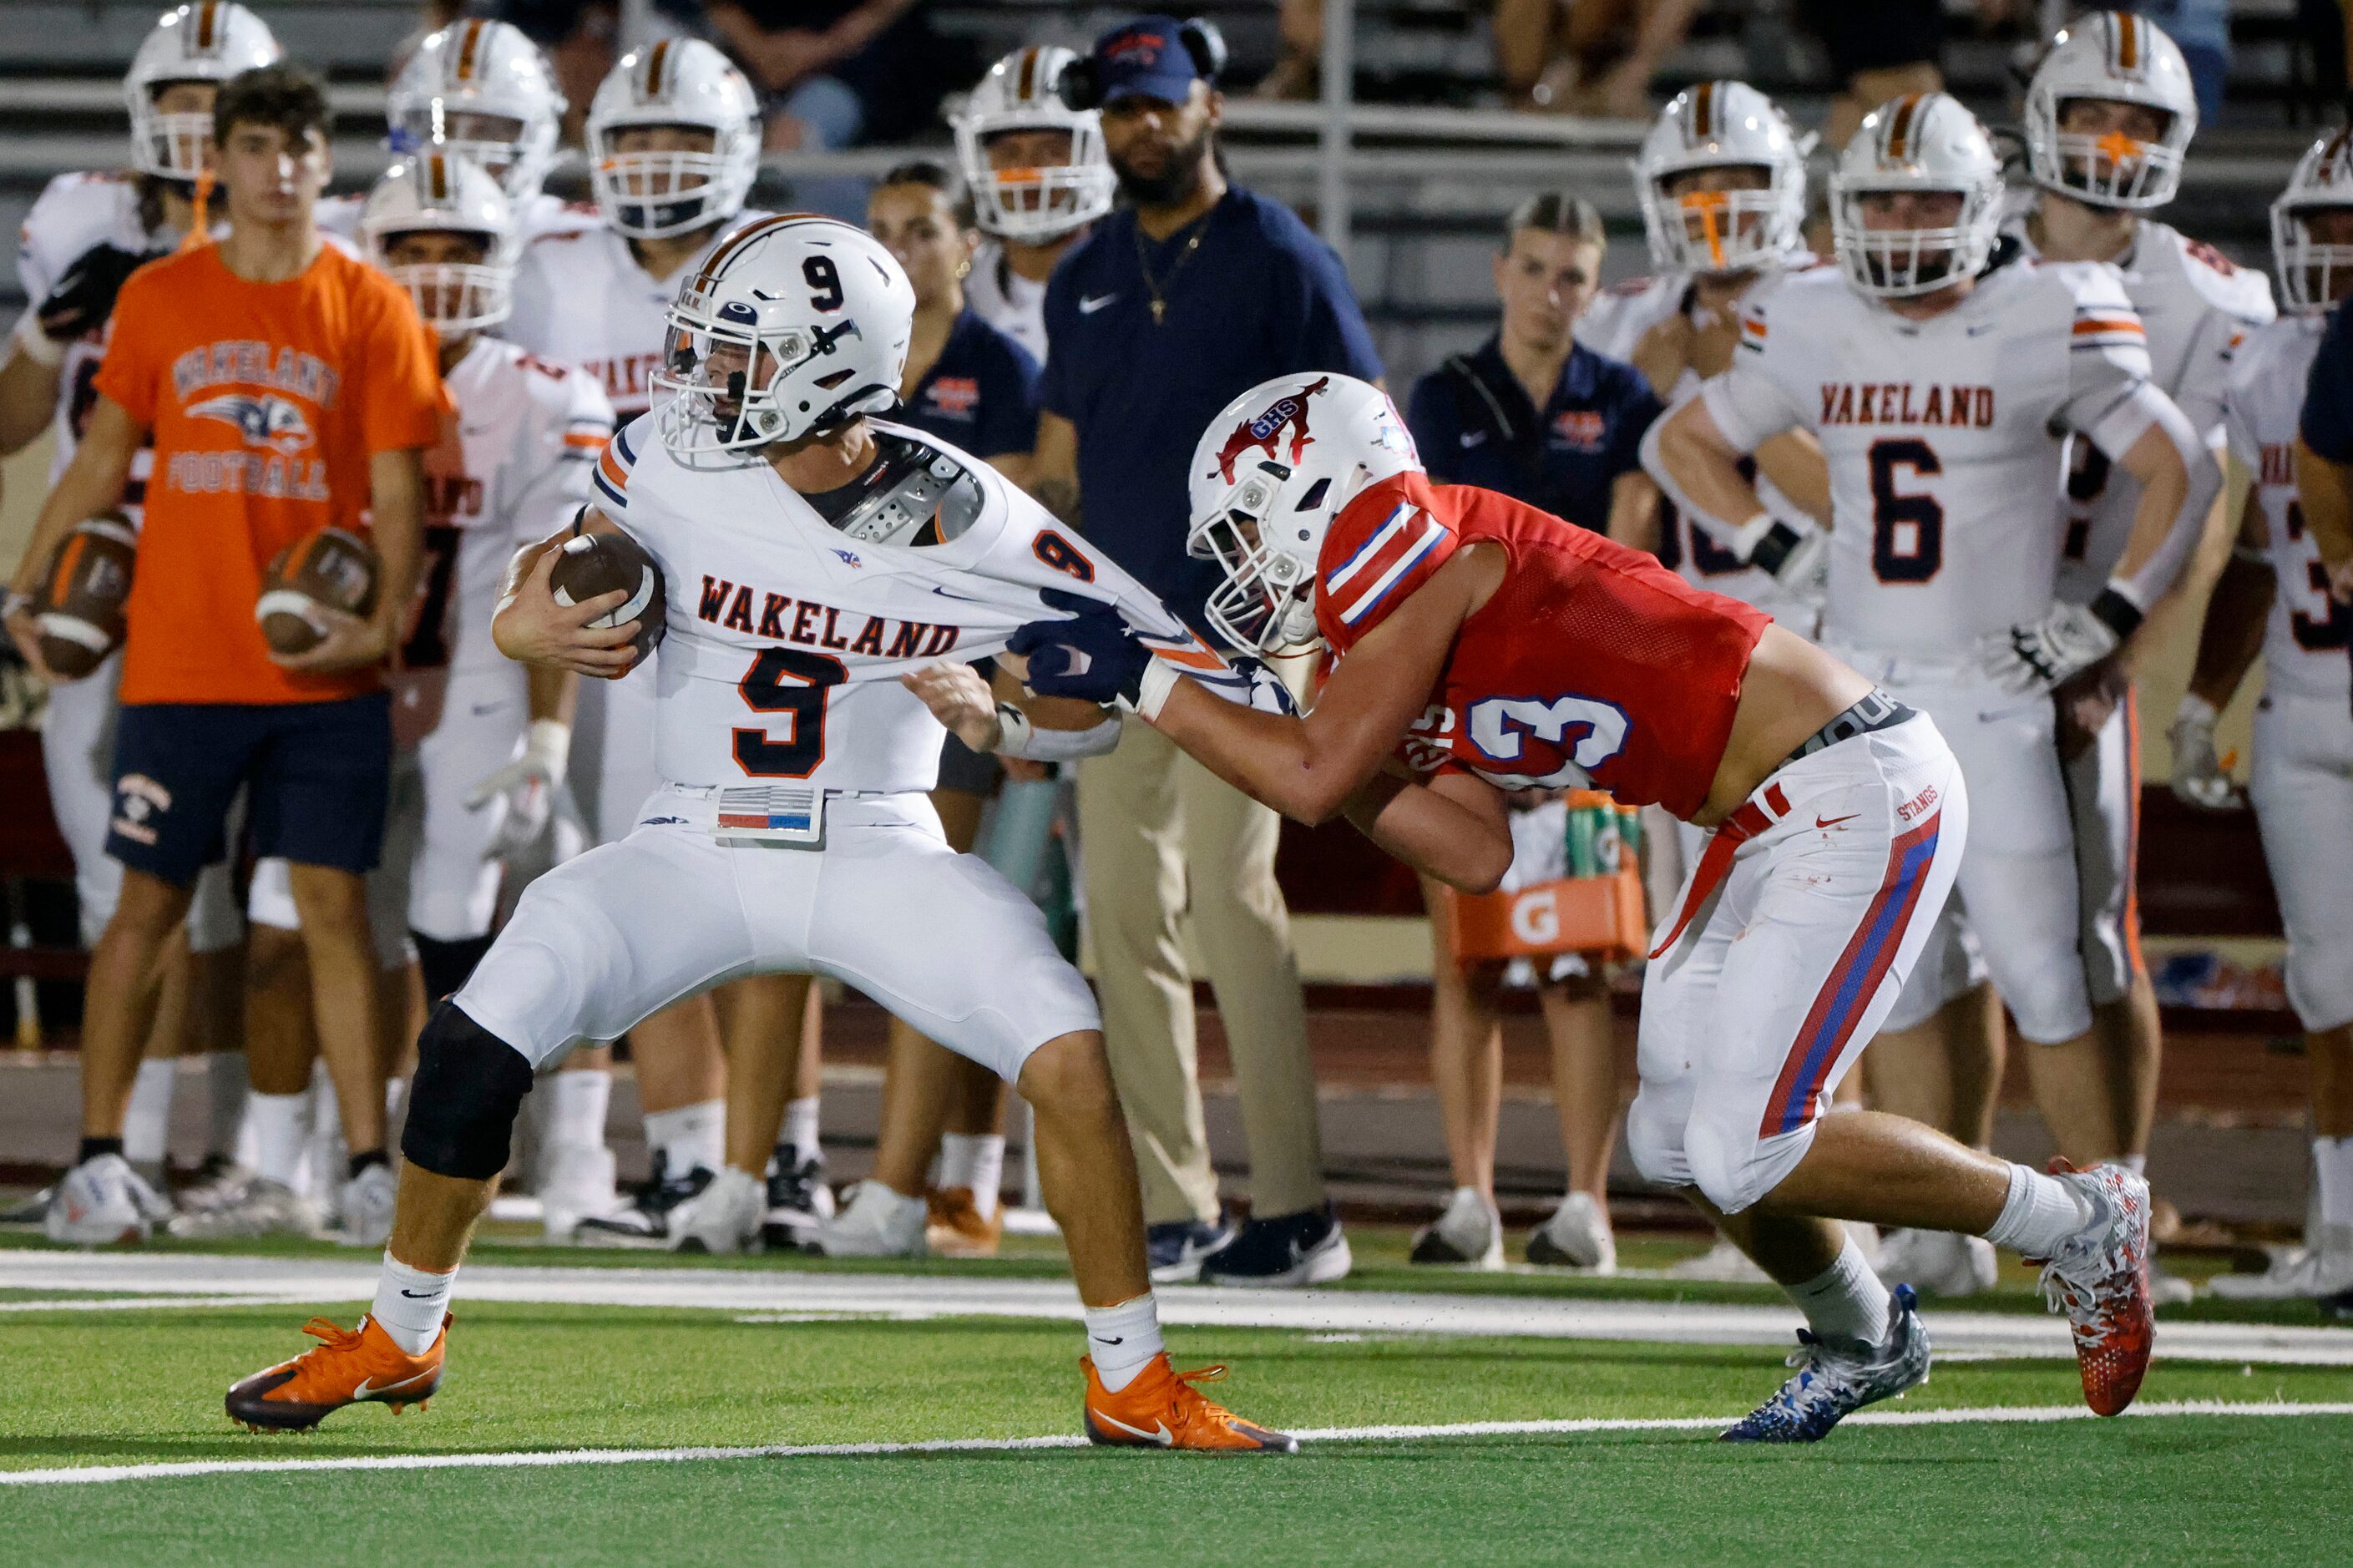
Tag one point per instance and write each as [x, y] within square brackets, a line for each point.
[81, 609]
[331, 567]
[595, 564]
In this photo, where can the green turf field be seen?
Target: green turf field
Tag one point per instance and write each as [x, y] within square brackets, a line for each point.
[97, 1386]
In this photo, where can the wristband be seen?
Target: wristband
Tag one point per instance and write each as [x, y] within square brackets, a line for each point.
[35, 344]
[1019, 738]
[2114, 609]
[550, 741]
[2196, 712]
[1152, 691]
[1750, 534]
[1774, 549]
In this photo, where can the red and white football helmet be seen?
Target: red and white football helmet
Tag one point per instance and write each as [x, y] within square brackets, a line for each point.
[1270, 474]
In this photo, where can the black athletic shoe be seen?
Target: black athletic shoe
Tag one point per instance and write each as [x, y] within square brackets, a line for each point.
[644, 1220]
[1175, 1249]
[798, 1199]
[1286, 1252]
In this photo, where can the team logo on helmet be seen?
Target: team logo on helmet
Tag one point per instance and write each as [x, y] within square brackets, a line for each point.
[264, 421]
[1262, 432]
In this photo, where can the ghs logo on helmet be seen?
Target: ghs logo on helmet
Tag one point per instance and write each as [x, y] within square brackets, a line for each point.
[1263, 431]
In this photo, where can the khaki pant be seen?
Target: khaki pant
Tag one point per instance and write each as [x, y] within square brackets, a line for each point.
[1161, 834]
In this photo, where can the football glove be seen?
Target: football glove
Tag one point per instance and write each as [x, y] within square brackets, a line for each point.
[84, 297]
[1091, 655]
[528, 784]
[2071, 637]
[2199, 779]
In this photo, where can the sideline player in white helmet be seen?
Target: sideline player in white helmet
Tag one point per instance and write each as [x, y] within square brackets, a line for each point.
[481, 749]
[817, 563]
[2108, 120]
[1722, 182]
[83, 236]
[1942, 378]
[674, 143]
[480, 90]
[1039, 177]
[2272, 600]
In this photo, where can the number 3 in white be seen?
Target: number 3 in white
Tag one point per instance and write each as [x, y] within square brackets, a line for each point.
[1498, 725]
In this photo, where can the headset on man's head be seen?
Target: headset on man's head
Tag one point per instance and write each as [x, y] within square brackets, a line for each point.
[1081, 83]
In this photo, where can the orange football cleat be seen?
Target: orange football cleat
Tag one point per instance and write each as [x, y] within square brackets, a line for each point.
[1162, 1409]
[954, 1228]
[345, 1366]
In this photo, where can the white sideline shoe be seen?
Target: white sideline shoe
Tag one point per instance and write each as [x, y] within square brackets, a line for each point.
[1578, 1236]
[1468, 1234]
[875, 1223]
[101, 1200]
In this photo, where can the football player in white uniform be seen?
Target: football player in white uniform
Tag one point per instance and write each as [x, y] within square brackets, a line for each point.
[2274, 600]
[1942, 575]
[83, 236]
[814, 559]
[2109, 117]
[1039, 176]
[481, 750]
[673, 144]
[481, 90]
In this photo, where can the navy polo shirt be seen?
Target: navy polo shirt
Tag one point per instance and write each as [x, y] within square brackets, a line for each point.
[2328, 418]
[1262, 297]
[1564, 460]
[980, 394]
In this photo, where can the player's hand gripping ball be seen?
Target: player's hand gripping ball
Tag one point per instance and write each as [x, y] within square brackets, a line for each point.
[333, 567]
[594, 563]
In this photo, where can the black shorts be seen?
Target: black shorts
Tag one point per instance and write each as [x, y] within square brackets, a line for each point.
[316, 775]
[1880, 35]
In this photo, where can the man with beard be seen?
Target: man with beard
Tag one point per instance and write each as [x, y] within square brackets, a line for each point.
[1175, 304]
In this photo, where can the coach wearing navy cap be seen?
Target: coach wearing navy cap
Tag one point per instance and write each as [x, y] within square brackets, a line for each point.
[1178, 303]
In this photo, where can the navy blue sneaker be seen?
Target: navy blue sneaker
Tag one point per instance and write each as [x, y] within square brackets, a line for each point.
[1175, 1250]
[1834, 1381]
[1284, 1252]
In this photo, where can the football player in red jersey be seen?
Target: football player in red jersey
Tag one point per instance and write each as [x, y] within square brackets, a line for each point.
[1475, 645]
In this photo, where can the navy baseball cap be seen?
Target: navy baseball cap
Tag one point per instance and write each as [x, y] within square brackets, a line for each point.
[1145, 58]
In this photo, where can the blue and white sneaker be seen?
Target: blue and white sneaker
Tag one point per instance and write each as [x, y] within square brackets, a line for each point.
[1286, 1252]
[1833, 1382]
[1175, 1249]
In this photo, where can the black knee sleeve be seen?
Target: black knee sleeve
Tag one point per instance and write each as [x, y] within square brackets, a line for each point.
[463, 1103]
[447, 964]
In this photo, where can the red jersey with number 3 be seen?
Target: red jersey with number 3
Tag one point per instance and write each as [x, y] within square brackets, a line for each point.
[1592, 666]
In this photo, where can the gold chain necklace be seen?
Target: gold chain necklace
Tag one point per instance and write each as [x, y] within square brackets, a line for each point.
[1158, 288]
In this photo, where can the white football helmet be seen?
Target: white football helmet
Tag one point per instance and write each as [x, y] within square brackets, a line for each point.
[679, 81]
[443, 194]
[1717, 125]
[1271, 471]
[2119, 56]
[481, 90]
[1023, 92]
[2323, 180]
[209, 41]
[796, 325]
[1923, 142]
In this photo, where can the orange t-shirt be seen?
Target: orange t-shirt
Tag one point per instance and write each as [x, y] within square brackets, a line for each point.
[266, 402]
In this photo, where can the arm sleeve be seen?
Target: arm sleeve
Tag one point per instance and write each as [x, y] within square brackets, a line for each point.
[2326, 423]
[2140, 408]
[2107, 357]
[1436, 422]
[1749, 406]
[2206, 374]
[571, 442]
[402, 397]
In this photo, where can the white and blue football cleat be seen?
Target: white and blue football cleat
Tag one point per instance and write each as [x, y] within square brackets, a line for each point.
[1832, 1382]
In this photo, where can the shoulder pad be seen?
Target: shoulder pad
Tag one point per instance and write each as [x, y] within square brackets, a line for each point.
[918, 485]
[2219, 282]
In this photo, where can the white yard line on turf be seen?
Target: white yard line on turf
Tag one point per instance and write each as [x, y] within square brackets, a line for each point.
[242, 1280]
[542, 1460]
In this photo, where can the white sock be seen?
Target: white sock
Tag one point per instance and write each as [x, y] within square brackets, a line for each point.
[2041, 1213]
[691, 1135]
[987, 1171]
[1122, 1339]
[2332, 1165]
[224, 1076]
[1845, 1302]
[959, 1152]
[394, 1087]
[280, 1123]
[576, 1103]
[800, 1125]
[2136, 1164]
[147, 1121]
[410, 1304]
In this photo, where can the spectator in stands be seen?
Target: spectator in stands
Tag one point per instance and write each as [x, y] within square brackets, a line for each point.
[1541, 418]
[975, 388]
[1171, 308]
[269, 328]
[1877, 51]
[833, 73]
[1590, 57]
